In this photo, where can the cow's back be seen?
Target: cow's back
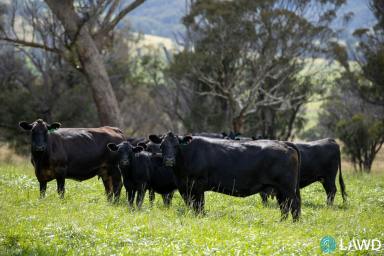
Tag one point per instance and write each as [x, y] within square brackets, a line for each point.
[82, 150]
[224, 153]
[228, 164]
[318, 158]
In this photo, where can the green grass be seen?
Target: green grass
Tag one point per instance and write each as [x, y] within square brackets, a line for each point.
[85, 224]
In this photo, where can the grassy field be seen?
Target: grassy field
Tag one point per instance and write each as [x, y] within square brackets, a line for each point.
[85, 224]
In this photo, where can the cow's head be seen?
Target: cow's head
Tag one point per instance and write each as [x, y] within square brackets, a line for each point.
[169, 145]
[39, 133]
[150, 147]
[125, 152]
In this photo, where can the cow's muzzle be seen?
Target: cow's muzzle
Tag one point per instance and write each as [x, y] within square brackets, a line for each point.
[39, 148]
[124, 162]
[169, 162]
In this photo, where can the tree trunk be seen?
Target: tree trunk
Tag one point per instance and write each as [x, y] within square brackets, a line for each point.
[367, 164]
[238, 123]
[91, 60]
[292, 120]
[269, 120]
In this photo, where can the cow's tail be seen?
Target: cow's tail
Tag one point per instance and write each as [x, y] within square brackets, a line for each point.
[341, 181]
[292, 145]
[298, 166]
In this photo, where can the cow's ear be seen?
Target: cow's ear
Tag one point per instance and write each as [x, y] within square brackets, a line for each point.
[185, 140]
[54, 126]
[112, 147]
[26, 126]
[155, 139]
[142, 144]
[137, 149]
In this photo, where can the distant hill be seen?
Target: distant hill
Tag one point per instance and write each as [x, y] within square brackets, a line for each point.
[159, 17]
[163, 17]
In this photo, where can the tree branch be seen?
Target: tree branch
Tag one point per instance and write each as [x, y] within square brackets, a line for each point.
[30, 44]
[112, 24]
[113, 5]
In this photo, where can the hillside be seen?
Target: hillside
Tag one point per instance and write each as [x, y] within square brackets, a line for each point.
[162, 17]
[159, 17]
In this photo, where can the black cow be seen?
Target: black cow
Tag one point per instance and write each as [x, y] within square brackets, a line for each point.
[150, 147]
[238, 137]
[73, 153]
[142, 171]
[212, 135]
[320, 161]
[233, 168]
[155, 150]
[136, 140]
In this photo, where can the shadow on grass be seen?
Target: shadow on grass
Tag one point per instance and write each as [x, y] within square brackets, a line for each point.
[316, 206]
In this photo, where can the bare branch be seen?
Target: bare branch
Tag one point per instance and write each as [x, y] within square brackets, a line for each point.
[30, 44]
[111, 10]
[112, 24]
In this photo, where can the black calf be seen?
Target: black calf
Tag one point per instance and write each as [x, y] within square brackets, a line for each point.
[143, 171]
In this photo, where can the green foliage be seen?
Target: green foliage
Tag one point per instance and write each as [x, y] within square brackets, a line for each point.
[35, 85]
[85, 224]
[135, 76]
[242, 65]
[355, 112]
[358, 124]
[363, 137]
[368, 79]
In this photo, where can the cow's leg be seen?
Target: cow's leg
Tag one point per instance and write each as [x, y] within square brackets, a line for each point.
[330, 188]
[151, 197]
[196, 195]
[282, 199]
[296, 205]
[193, 194]
[186, 197]
[61, 173]
[264, 198]
[140, 196]
[131, 197]
[116, 186]
[131, 192]
[184, 192]
[198, 202]
[115, 178]
[43, 188]
[107, 185]
[60, 187]
[289, 200]
[167, 198]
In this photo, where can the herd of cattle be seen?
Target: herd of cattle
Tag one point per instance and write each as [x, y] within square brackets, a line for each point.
[191, 164]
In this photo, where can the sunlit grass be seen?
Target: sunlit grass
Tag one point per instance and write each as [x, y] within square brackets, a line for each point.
[84, 223]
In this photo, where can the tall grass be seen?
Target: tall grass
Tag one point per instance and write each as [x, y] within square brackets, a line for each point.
[84, 223]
